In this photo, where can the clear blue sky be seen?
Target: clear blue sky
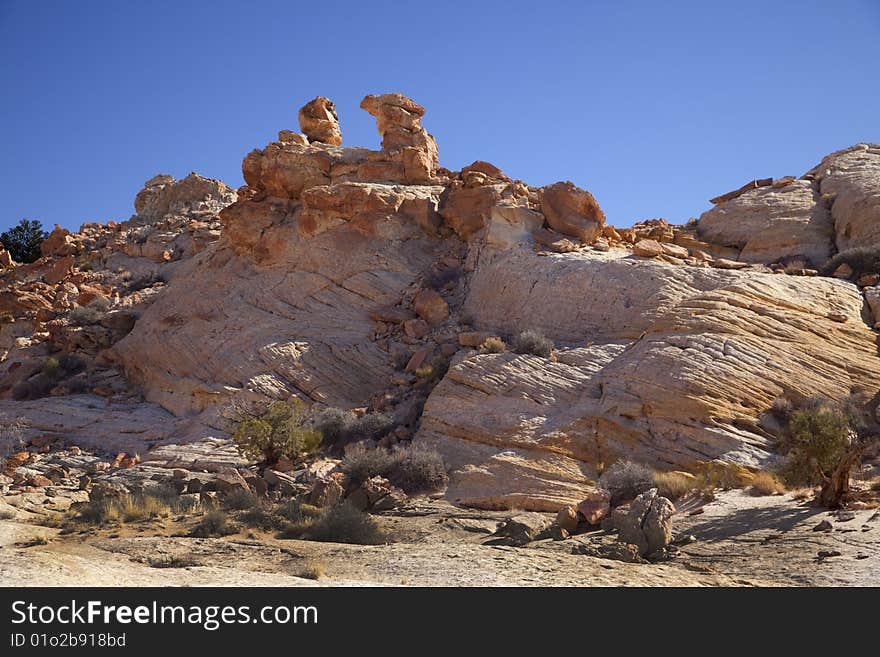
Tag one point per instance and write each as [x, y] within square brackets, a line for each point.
[653, 106]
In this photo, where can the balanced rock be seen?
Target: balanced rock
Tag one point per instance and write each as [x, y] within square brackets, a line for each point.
[572, 211]
[319, 122]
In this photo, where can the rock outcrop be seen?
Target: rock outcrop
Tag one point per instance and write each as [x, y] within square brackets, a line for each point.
[768, 224]
[319, 122]
[834, 207]
[370, 279]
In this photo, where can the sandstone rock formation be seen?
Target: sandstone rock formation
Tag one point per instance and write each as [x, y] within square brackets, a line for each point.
[319, 122]
[772, 223]
[370, 279]
[834, 206]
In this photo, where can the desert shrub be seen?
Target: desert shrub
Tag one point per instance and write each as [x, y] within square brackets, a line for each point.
[262, 517]
[333, 424]
[51, 367]
[279, 431]
[11, 437]
[345, 524]
[441, 278]
[135, 508]
[371, 425]
[214, 522]
[313, 570]
[814, 442]
[766, 483]
[862, 259]
[362, 463]
[146, 280]
[626, 480]
[673, 485]
[339, 427]
[796, 266]
[91, 313]
[415, 470]
[420, 471]
[532, 342]
[240, 499]
[71, 364]
[6, 514]
[493, 346]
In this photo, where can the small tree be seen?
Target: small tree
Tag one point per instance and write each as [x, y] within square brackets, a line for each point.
[23, 241]
[278, 432]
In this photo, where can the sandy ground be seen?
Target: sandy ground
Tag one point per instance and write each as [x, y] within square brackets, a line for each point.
[740, 541]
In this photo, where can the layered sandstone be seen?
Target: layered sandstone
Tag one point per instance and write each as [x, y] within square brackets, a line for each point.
[355, 278]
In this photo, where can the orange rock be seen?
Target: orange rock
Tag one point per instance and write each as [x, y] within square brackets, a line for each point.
[60, 270]
[647, 248]
[572, 211]
[431, 307]
[319, 122]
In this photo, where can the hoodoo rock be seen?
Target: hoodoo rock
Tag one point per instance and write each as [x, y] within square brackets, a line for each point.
[319, 122]
[398, 120]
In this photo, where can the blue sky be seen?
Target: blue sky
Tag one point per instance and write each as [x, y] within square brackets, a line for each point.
[653, 106]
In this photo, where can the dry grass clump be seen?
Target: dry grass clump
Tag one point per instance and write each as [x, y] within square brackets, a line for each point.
[129, 508]
[674, 485]
[493, 346]
[313, 570]
[766, 483]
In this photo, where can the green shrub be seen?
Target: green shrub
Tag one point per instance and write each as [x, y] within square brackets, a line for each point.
[626, 480]
[862, 259]
[346, 524]
[815, 441]
[280, 431]
[532, 342]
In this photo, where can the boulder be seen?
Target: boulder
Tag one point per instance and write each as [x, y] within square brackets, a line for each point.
[567, 518]
[431, 307]
[523, 528]
[647, 248]
[572, 211]
[319, 122]
[595, 506]
[648, 525]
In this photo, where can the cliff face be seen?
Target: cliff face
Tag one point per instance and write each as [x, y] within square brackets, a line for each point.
[336, 273]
